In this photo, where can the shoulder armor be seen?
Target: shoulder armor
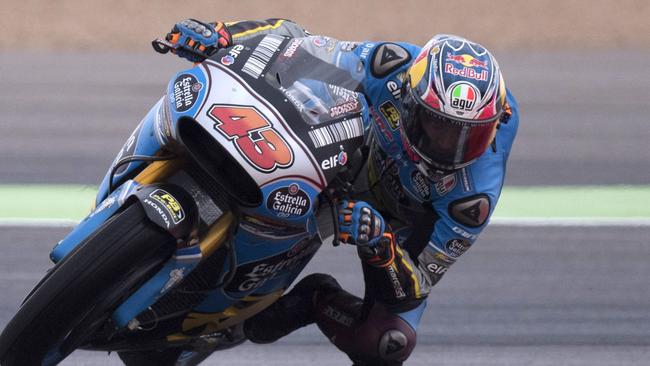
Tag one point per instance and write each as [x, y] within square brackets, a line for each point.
[387, 58]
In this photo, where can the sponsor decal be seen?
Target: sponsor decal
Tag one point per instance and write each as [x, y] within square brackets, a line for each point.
[175, 276]
[421, 185]
[235, 50]
[289, 202]
[333, 161]
[444, 258]
[338, 316]
[253, 136]
[466, 60]
[456, 247]
[394, 280]
[464, 96]
[446, 184]
[366, 50]
[391, 114]
[387, 58]
[471, 211]
[379, 122]
[319, 41]
[186, 90]
[170, 203]
[160, 211]
[337, 132]
[287, 93]
[467, 72]
[261, 55]
[394, 89]
[254, 275]
[349, 46]
[436, 268]
[331, 45]
[293, 46]
[345, 108]
[342, 93]
[464, 233]
[227, 60]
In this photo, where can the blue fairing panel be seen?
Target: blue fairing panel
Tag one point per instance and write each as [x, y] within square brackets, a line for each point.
[146, 139]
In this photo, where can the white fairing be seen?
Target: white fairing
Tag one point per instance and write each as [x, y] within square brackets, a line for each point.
[227, 89]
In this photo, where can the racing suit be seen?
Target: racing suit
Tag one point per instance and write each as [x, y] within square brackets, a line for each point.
[433, 222]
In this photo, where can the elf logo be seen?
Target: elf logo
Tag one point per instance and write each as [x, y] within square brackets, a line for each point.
[334, 161]
[463, 96]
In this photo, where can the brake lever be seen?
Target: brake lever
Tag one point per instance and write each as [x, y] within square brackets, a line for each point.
[163, 46]
[333, 196]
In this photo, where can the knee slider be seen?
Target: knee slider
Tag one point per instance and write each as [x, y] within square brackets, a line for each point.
[394, 345]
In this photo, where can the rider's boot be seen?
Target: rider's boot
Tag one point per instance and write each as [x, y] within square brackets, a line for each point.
[292, 311]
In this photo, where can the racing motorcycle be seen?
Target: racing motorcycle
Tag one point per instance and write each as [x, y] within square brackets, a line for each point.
[209, 211]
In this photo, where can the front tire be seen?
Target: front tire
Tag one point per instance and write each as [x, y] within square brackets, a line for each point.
[88, 283]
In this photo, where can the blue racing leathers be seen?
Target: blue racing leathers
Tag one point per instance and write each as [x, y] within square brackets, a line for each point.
[433, 223]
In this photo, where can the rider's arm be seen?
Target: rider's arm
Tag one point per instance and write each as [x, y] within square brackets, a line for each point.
[243, 30]
[465, 211]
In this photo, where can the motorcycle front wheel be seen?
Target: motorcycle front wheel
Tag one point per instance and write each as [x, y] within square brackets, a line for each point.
[79, 293]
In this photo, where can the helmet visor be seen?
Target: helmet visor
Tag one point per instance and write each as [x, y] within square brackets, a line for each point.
[441, 141]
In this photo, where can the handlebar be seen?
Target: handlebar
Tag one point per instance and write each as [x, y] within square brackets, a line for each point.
[163, 46]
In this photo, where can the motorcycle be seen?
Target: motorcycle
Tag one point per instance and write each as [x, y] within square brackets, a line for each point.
[209, 212]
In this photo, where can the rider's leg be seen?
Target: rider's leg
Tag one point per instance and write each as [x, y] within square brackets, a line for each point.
[292, 311]
[368, 334]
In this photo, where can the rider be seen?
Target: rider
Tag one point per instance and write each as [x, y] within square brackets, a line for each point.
[443, 126]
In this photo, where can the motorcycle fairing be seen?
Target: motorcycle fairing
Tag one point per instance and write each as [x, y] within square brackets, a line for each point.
[242, 114]
[107, 208]
[144, 140]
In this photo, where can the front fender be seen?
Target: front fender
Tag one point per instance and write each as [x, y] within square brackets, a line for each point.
[170, 207]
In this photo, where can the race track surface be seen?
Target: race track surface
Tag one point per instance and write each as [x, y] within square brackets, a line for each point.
[522, 296]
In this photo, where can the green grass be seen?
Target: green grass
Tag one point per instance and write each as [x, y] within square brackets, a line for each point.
[74, 201]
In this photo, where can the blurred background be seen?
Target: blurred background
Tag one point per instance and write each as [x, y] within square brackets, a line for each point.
[77, 76]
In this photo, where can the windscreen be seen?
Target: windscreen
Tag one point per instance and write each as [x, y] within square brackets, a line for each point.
[314, 76]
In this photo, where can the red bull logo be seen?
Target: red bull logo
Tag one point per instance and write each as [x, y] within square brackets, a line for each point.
[467, 60]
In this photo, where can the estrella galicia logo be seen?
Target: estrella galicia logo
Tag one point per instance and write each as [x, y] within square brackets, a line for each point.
[186, 92]
[251, 276]
[288, 202]
[456, 247]
[421, 185]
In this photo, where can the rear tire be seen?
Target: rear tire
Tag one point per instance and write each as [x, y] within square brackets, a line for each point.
[88, 283]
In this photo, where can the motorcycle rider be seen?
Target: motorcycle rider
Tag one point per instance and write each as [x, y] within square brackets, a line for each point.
[443, 126]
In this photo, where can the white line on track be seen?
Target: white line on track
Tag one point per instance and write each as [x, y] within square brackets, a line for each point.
[496, 221]
[571, 221]
[20, 222]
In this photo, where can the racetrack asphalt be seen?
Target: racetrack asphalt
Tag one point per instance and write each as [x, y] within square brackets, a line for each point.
[522, 296]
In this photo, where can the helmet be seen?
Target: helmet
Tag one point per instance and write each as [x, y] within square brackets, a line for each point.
[453, 98]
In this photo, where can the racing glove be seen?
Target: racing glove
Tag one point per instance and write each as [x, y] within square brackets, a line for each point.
[196, 41]
[359, 223]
